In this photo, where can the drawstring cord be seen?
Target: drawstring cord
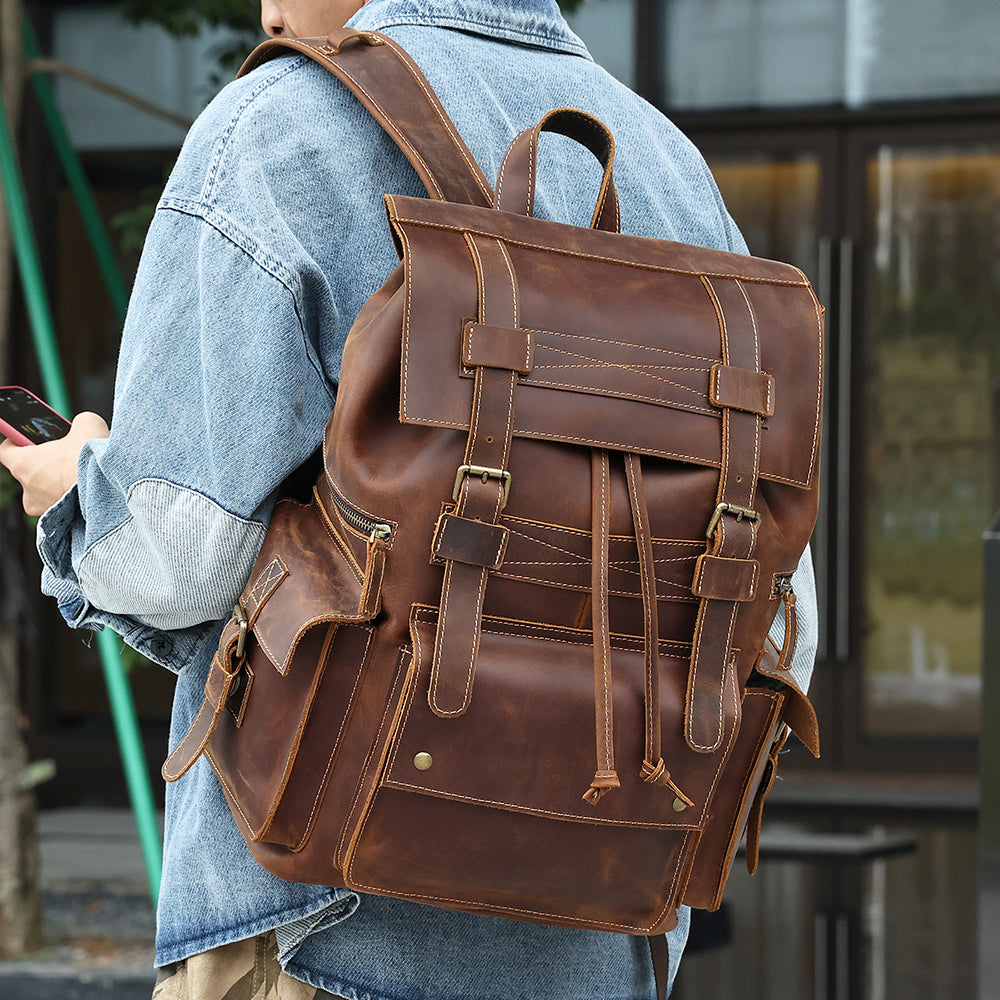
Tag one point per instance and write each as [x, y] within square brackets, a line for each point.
[654, 770]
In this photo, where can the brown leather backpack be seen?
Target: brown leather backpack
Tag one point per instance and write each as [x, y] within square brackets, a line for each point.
[511, 658]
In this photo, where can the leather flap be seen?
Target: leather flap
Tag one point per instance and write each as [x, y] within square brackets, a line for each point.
[526, 742]
[322, 583]
[624, 332]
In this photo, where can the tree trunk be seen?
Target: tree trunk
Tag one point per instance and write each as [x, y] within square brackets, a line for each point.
[20, 904]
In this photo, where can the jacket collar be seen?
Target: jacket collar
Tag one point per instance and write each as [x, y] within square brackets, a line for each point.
[525, 22]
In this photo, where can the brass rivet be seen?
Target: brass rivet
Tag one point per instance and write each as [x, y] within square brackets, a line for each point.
[679, 805]
[423, 761]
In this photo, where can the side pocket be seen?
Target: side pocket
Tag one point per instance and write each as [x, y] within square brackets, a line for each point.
[304, 615]
[760, 727]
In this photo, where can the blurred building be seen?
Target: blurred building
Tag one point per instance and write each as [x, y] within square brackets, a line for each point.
[859, 139]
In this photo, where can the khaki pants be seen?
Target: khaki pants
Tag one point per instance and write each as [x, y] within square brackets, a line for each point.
[243, 970]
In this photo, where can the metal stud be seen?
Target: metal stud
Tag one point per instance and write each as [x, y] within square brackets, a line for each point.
[679, 805]
[423, 761]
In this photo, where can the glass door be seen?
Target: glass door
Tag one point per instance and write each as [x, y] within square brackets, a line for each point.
[926, 404]
[899, 230]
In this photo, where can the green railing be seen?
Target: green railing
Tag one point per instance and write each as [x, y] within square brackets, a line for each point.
[54, 387]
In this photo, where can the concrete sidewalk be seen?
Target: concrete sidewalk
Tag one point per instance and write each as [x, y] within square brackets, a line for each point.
[99, 921]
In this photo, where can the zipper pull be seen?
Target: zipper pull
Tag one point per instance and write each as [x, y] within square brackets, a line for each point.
[783, 590]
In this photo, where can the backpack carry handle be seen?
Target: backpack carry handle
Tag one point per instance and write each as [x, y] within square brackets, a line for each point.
[515, 190]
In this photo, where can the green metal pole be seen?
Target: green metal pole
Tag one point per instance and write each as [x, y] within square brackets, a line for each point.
[26, 252]
[77, 180]
[43, 331]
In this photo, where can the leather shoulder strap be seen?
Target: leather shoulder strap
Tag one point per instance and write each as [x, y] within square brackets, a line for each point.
[391, 86]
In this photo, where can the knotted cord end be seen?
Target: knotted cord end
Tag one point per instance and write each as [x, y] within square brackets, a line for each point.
[603, 782]
[657, 774]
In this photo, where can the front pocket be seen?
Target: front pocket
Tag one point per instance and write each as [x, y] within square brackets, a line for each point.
[307, 604]
[484, 811]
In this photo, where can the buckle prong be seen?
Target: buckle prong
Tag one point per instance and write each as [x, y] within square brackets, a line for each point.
[485, 474]
[244, 623]
[730, 508]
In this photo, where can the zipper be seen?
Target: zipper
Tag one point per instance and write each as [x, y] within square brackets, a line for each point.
[362, 523]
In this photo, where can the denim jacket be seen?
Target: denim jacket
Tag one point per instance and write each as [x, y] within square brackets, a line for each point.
[267, 240]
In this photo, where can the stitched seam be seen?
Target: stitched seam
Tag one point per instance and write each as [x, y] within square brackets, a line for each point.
[634, 471]
[408, 281]
[547, 526]
[577, 921]
[733, 731]
[390, 126]
[516, 807]
[626, 344]
[675, 648]
[527, 245]
[609, 756]
[444, 119]
[232, 795]
[342, 546]
[617, 591]
[335, 748]
[638, 397]
[189, 736]
[345, 834]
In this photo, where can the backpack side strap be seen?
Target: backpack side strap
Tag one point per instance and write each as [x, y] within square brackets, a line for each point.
[391, 86]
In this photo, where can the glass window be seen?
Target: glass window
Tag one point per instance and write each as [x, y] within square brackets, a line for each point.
[174, 74]
[930, 452]
[608, 29]
[782, 53]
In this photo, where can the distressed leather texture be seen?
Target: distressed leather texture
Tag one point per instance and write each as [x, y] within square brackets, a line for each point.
[511, 658]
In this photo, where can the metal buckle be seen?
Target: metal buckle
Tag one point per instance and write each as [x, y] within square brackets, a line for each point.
[244, 623]
[730, 508]
[485, 474]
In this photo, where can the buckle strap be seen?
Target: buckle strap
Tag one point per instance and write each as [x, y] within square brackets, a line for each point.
[481, 490]
[605, 777]
[217, 689]
[732, 533]
[391, 86]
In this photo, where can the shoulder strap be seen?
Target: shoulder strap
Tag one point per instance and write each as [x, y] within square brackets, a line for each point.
[391, 86]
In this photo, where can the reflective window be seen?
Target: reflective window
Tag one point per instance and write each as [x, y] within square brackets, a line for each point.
[779, 53]
[930, 451]
[608, 29]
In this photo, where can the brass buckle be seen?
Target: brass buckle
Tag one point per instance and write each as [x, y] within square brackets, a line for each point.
[730, 508]
[244, 623]
[485, 474]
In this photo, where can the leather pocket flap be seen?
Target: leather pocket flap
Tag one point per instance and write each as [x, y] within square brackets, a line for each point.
[625, 334]
[322, 582]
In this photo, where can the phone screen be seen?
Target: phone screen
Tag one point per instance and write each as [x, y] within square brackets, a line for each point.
[25, 419]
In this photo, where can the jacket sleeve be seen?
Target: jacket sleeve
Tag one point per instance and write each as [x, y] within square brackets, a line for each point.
[220, 395]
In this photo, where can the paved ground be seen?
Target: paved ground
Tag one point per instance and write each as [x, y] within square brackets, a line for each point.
[98, 914]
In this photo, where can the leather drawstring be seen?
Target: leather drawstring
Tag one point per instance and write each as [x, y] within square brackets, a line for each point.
[654, 770]
[605, 777]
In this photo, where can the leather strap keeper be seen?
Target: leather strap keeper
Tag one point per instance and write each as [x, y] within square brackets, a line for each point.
[477, 543]
[740, 389]
[218, 683]
[725, 579]
[498, 347]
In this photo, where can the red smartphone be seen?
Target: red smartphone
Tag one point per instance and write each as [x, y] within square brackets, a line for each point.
[25, 419]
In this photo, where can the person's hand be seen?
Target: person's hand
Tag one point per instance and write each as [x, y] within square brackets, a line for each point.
[46, 471]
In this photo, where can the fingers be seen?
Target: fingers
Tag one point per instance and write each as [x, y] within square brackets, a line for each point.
[46, 471]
